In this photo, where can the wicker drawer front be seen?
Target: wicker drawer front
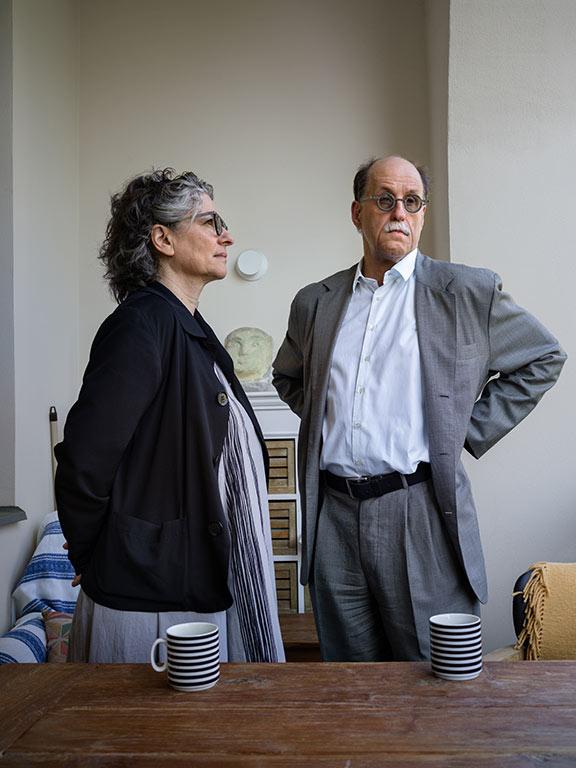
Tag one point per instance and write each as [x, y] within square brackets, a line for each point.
[287, 587]
[283, 524]
[282, 474]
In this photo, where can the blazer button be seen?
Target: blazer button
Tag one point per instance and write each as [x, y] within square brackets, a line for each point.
[222, 398]
[215, 528]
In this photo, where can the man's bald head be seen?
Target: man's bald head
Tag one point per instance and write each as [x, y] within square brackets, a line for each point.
[363, 173]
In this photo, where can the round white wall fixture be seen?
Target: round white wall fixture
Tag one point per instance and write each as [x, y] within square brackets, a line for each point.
[251, 265]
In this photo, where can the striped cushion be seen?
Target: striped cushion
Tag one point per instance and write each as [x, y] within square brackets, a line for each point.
[45, 584]
[26, 642]
[46, 581]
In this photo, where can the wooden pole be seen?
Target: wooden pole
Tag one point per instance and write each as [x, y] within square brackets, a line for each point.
[53, 440]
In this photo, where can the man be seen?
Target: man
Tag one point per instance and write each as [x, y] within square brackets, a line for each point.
[394, 366]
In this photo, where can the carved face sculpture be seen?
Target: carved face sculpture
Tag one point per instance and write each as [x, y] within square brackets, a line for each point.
[251, 351]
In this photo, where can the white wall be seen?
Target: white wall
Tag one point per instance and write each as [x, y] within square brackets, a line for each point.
[512, 154]
[6, 263]
[437, 39]
[275, 103]
[45, 257]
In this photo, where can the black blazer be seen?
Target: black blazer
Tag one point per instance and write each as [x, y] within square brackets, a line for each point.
[137, 477]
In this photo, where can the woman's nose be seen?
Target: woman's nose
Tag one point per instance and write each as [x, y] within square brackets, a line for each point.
[226, 238]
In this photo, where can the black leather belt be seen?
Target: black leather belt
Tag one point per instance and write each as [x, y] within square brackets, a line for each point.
[377, 485]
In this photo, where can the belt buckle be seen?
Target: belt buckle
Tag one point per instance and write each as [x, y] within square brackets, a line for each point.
[356, 481]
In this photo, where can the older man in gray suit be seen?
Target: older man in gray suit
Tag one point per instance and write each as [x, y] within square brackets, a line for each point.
[395, 365]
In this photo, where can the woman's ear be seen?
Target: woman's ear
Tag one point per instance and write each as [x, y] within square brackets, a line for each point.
[161, 238]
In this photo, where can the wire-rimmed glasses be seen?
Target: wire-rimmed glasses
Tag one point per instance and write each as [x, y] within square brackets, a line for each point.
[386, 202]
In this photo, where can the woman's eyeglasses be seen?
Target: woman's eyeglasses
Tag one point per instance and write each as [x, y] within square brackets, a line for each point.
[215, 219]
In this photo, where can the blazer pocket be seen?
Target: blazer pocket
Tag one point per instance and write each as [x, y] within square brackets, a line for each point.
[143, 560]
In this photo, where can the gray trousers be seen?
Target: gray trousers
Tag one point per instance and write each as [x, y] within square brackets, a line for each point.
[381, 568]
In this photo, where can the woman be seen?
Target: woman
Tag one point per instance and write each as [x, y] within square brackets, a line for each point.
[161, 480]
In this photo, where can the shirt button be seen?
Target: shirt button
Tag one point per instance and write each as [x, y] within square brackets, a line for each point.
[222, 398]
[356, 424]
[370, 327]
[360, 390]
[367, 359]
[356, 461]
[215, 528]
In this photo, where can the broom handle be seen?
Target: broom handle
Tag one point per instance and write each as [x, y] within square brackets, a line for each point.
[53, 440]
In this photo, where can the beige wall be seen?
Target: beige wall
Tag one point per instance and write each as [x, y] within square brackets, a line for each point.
[45, 258]
[275, 103]
[512, 151]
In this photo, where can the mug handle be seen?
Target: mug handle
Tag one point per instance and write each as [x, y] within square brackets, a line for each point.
[157, 667]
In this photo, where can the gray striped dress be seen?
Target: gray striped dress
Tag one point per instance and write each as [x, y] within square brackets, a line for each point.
[249, 629]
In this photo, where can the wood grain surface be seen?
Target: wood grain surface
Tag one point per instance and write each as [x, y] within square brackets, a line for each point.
[337, 715]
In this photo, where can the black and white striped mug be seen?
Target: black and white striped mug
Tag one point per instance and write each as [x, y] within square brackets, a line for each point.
[456, 646]
[192, 656]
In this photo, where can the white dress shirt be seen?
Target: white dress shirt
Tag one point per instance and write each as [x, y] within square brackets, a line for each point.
[374, 421]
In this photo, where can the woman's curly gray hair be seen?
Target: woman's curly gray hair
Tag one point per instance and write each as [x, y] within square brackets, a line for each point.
[159, 197]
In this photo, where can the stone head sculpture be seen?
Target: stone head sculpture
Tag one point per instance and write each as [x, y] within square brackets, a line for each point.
[251, 351]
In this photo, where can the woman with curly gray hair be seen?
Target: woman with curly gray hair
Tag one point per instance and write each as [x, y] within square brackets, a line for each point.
[161, 480]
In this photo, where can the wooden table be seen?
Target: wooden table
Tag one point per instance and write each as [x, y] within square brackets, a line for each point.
[330, 715]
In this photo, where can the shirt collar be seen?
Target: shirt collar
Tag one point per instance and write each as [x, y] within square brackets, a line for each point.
[405, 267]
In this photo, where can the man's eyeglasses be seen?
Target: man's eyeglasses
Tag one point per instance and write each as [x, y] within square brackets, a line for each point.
[387, 202]
[216, 221]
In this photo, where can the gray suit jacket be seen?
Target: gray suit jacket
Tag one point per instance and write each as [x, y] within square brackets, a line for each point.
[485, 362]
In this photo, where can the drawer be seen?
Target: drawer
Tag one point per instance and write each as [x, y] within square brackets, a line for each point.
[282, 466]
[287, 587]
[283, 525]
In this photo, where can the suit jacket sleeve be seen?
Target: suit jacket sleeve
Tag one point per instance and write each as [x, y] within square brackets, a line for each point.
[525, 359]
[288, 367]
[121, 379]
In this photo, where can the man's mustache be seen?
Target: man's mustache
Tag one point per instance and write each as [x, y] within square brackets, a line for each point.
[396, 226]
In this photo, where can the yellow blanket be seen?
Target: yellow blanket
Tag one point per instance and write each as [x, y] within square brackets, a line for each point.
[550, 617]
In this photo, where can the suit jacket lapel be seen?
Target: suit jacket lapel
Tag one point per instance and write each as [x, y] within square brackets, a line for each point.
[435, 309]
[330, 312]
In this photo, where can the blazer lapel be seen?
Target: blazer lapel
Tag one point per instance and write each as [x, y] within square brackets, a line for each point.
[330, 312]
[435, 309]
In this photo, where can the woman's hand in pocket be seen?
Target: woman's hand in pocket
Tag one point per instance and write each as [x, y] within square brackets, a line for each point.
[78, 577]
